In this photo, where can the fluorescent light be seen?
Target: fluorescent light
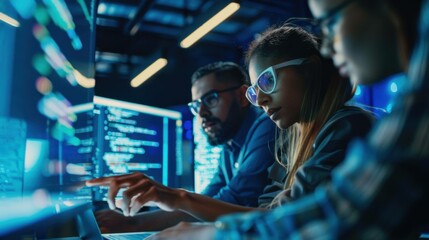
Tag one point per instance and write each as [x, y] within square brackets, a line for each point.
[5, 18]
[134, 30]
[210, 24]
[148, 72]
[83, 80]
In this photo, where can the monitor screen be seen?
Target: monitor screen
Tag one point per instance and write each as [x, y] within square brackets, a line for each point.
[47, 70]
[206, 160]
[61, 166]
[131, 137]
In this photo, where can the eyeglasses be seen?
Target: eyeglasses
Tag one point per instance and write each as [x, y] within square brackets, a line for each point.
[330, 20]
[210, 99]
[267, 80]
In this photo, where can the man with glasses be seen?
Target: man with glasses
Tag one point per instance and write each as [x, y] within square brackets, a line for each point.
[227, 118]
[247, 136]
[381, 190]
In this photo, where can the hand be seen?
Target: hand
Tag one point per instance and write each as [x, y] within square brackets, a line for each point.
[113, 222]
[186, 231]
[140, 191]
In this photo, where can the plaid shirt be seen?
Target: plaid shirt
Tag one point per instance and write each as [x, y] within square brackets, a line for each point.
[382, 189]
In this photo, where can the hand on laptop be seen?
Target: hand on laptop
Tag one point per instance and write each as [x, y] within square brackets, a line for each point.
[140, 191]
[115, 222]
[187, 231]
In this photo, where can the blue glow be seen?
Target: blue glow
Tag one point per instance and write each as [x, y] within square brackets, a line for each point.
[117, 10]
[62, 17]
[206, 159]
[393, 87]
[138, 107]
[389, 107]
[102, 8]
[188, 125]
[165, 153]
[25, 8]
[76, 42]
[34, 151]
[179, 147]
[188, 134]
[358, 91]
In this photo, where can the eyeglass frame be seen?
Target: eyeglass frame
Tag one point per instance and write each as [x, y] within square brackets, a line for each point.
[272, 69]
[201, 99]
[327, 21]
[330, 19]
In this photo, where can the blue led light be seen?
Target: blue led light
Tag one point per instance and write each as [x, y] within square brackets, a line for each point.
[393, 87]
[189, 135]
[389, 107]
[358, 91]
[187, 124]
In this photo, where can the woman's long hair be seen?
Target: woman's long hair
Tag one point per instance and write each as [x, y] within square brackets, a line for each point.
[326, 92]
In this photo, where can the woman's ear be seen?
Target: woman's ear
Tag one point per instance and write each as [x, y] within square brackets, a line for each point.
[242, 98]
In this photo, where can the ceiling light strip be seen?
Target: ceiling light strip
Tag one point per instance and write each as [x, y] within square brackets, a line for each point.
[210, 24]
[5, 18]
[149, 72]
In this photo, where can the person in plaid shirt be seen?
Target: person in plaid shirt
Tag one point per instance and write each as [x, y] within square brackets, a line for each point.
[381, 190]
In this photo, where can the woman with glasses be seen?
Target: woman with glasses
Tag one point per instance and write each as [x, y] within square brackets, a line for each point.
[380, 190]
[305, 97]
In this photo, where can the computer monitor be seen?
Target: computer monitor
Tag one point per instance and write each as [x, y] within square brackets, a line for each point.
[30, 218]
[206, 159]
[12, 148]
[132, 137]
[65, 173]
[46, 77]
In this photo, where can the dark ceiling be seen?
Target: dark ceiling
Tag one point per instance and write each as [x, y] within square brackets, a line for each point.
[130, 32]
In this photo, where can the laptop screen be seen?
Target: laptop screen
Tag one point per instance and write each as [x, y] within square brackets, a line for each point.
[26, 218]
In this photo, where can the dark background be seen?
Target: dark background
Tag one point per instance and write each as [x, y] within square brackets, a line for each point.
[161, 23]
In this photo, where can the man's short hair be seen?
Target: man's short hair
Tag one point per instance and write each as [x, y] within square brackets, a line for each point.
[224, 72]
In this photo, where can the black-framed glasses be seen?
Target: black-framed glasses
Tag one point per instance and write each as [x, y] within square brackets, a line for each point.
[328, 22]
[267, 80]
[210, 99]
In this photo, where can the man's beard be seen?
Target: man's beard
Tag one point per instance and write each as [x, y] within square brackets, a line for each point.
[217, 135]
[224, 131]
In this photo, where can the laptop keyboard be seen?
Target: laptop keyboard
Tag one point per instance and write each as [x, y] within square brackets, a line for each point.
[127, 236]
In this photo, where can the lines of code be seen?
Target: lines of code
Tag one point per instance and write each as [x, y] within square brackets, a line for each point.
[206, 159]
[132, 142]
[127, 141]
[132, 137]
[12, 148]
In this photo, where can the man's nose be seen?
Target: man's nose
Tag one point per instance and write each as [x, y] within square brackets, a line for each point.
[203, 111]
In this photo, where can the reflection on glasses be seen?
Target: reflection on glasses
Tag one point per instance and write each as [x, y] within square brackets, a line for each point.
[324, 24]
[210, 99]
[267, 80]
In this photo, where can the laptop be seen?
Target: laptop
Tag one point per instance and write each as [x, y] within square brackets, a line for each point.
[88, 226]
[127, 236]
[23, 219]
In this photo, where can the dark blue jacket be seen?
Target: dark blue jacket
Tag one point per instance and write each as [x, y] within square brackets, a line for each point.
[242, 173]
[329, 150]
